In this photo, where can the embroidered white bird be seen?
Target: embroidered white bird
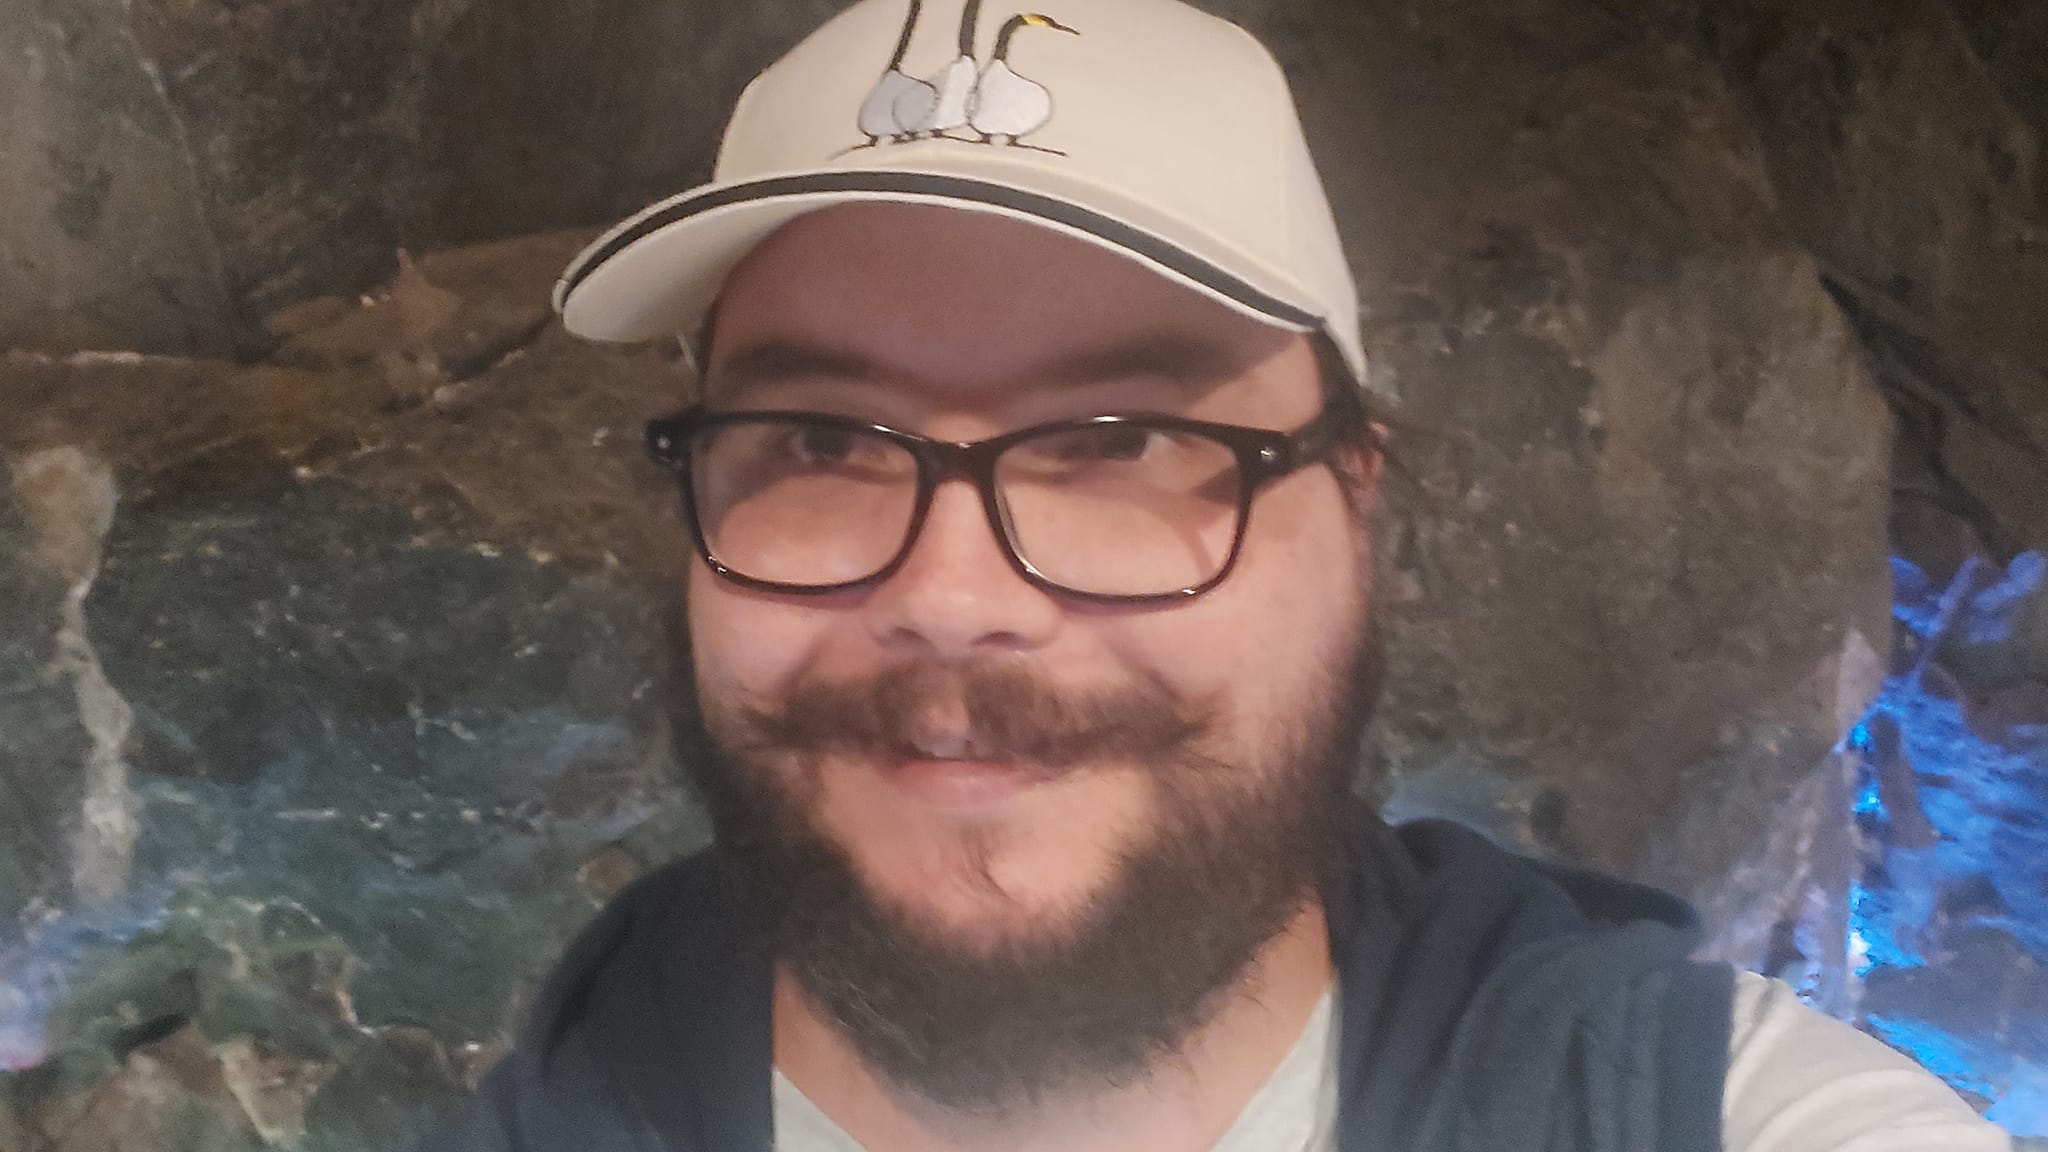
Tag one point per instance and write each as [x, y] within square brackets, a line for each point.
[944, 106]
[878, 119]
[1006, 104]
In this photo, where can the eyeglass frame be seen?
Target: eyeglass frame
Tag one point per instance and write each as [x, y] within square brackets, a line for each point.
[1263, 456]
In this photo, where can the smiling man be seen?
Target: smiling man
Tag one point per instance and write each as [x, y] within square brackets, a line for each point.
[1028, 659]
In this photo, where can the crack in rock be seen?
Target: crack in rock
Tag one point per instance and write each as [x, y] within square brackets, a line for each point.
[68, 499]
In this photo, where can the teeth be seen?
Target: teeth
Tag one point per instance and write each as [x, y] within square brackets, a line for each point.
[949, 747]
[952, 746]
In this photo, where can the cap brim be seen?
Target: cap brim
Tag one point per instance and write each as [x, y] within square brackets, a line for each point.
[656, 274]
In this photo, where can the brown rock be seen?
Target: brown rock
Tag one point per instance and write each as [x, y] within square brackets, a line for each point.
[1647, 519]
[2009, 477]
[505, 288]
[382, 1089]
[170, 172]
[608, 873]
[104, 240]
[170, 1096]
[2023, 705]
[546, 452]
[1906, 147]
[1934, 539]
[272, 1087]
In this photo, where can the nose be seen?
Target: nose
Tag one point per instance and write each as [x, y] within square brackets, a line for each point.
[956, 594]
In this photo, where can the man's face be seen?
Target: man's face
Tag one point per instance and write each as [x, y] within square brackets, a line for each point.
[1175, 725]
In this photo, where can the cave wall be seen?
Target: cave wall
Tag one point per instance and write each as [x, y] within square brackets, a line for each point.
[333, 594]
[1906, 140]
[176, 170]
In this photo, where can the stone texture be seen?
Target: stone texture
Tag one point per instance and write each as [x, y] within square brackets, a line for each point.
[383, 600]
[41, 742]
[1903, 886]
[392, 645]
[1950, 931]
[1638, 529]
[169, 1096]
[1935, 540]
[546, 114]
[299, 118]
[1907, 146]
[181, 169]
[102, 243]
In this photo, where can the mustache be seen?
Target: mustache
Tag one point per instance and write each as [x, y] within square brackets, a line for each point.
[1005, 711]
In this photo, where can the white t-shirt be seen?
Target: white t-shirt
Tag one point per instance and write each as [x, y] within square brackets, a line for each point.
[1798, 1081]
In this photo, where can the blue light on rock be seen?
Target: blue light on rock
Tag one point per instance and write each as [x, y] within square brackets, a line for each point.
[1949, 930]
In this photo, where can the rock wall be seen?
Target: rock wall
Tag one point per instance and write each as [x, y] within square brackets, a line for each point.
[335, 702]
[1946, 899]
[1636, 550]
[103, 243]
[1908, 144]
[173, 171]
[332, 645]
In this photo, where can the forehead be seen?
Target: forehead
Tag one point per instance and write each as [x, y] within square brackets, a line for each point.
[971, 299]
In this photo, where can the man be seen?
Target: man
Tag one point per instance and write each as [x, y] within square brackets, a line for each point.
[1028, 659]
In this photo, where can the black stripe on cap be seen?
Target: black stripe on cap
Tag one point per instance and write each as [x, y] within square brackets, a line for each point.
[1134, 240]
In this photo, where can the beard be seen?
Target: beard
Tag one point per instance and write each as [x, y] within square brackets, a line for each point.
[1241, 835]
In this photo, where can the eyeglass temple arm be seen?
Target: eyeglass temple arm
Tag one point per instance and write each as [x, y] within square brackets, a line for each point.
[664, 436]
[1307, 445]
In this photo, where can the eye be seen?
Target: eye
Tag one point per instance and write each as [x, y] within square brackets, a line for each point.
[815, 445]
[1106, 443]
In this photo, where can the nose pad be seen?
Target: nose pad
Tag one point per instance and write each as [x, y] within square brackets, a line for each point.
[957, 592]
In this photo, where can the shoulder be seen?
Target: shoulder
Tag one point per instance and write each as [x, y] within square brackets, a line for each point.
[614, 954]
[1801, 1081]
[568, 1082]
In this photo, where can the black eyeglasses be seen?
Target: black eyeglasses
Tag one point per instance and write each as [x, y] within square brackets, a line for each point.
[1120, 509]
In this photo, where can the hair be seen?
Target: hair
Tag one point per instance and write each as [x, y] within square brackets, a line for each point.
[1363, 427]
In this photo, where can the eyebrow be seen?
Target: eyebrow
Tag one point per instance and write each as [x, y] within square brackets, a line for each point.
[779, 361]
[1190, 362]
[1187, 360]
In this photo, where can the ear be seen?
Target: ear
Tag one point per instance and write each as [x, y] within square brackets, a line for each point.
[1360, 465]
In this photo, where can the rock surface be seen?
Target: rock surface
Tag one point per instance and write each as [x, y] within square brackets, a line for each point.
[1949, 926]
[1907, 145]
[388, 656]
[1638, 527]
[104, 242]
[331, 678]
[42, 744]
[174, 171]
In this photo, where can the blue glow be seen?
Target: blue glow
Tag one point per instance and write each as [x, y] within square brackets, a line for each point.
[1996, 612]
[36, 966]
[1946, 936]
[2023, 1109]
[1860, 959]
[1970, 1067]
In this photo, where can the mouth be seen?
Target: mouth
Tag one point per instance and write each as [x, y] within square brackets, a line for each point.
[951, 774]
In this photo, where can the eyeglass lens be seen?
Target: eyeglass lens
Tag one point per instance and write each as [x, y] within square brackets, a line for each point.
[1112, 509]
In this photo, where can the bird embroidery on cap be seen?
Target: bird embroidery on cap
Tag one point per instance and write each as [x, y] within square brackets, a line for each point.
[994, 102]
[878, 119]
[1007, 106]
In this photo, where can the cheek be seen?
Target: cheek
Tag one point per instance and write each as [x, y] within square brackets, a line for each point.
[746, 643]
[1287, 615]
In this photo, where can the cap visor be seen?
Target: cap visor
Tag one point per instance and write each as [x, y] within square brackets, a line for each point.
[656, 274]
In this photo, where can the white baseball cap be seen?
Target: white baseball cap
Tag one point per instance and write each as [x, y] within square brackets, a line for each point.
[1147, 127]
